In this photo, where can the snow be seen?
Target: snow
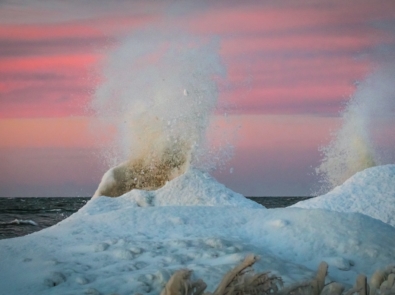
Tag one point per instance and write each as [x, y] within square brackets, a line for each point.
[194, 188]
[132, 244]
[370, 192]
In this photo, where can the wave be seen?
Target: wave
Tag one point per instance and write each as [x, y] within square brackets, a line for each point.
[19, 222]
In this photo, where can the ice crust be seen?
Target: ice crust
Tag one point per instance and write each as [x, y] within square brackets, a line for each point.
[193, 188]
[132, 244]
[370, 192]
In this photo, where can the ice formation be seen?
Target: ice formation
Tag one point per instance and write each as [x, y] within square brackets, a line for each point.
[370, 192]
[134, 243]
[193, 188]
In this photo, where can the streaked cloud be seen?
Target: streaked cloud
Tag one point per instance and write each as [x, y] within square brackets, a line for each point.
[303, 57]
[291, 67]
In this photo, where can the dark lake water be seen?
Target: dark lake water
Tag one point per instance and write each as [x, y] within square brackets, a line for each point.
[22, 216]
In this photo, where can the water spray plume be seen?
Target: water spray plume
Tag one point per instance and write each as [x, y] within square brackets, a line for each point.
[359, 143]
[159, 91]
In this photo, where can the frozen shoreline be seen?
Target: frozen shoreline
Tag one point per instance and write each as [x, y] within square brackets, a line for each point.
[119, 245]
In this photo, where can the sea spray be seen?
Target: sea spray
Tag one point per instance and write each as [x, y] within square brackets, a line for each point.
[159, 91]
[367, 135]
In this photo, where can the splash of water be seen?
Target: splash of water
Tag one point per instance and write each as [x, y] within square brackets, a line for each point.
[159, 91]
[367, 134]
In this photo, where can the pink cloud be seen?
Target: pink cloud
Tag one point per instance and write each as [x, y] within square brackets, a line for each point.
[67, 132]
[49, 70]
[292, 54]
[42, 85]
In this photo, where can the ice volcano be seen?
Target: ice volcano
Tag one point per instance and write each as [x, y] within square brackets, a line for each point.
[158, 93]
[192, 188]
[370, 192]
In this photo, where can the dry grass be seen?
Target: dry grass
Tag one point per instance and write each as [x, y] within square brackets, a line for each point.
[242, 280]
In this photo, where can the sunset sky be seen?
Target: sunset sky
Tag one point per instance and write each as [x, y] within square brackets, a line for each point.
[291, 67]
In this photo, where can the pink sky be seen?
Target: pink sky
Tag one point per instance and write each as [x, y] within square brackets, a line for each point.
[291, 67]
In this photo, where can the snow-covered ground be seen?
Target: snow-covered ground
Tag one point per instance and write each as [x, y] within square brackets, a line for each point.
[370, 192]
[132, 244]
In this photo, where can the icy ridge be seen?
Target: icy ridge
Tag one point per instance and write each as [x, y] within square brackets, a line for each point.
[370, 192]
[193, 188]
[197, 188]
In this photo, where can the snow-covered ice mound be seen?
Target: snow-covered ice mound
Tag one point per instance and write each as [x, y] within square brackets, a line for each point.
[196, 188]
[132, 244]
[370, 192]
[193, 188]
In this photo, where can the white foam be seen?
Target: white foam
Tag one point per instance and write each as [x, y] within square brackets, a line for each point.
[370, 192]
[366, 137]
[20, 221]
